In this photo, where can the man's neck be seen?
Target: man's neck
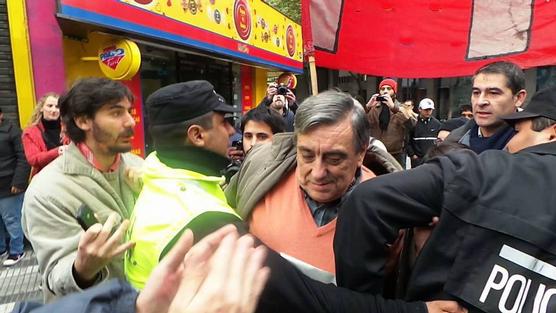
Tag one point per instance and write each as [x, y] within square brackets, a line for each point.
[192, 158]
[489, 131]
[281, 111]
[103, 159]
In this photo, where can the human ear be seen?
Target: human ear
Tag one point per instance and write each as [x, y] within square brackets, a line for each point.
[361, 156]
[551, 132]
[84, 123]
[520, 97]
[196, 135]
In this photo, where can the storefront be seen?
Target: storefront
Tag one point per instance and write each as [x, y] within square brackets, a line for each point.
[151, 43]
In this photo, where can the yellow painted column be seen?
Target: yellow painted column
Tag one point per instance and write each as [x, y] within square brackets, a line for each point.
[259, 85]
[21, 55]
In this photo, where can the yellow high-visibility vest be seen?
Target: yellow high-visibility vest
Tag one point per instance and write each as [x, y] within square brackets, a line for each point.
[171, 199]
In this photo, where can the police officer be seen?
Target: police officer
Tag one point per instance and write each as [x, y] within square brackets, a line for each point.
[493, 248]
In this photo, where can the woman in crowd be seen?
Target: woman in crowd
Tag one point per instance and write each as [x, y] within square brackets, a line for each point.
[42, 139]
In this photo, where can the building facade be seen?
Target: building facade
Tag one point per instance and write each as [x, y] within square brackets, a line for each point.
[148, 44]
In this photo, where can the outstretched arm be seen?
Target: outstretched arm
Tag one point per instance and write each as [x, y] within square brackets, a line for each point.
[369, 221]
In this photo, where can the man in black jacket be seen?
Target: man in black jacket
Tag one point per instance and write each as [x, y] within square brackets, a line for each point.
[498, 89]
[14, 174]
[422, 136]
[494, 247]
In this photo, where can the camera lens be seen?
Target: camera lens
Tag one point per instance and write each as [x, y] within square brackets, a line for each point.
[282, 90]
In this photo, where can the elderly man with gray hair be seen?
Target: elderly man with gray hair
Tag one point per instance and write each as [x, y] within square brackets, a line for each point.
[289, 191]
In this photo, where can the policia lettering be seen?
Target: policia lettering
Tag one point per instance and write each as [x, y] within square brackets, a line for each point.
[518, 288]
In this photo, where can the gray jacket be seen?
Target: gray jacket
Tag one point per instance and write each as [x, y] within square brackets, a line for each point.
[265, 165]
[49, 211]
[461, 134]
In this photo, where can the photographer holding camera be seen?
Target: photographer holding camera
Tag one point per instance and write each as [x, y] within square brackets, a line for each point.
[280, 95]
[388, 123]
[272, 90]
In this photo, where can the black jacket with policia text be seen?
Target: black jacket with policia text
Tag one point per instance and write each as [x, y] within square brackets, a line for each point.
[494, 249]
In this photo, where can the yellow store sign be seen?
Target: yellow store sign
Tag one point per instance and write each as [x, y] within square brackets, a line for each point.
[250, 22]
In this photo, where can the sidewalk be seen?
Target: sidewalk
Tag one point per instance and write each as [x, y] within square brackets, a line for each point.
[20, 282]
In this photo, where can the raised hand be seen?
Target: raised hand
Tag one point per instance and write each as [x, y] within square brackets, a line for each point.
[161, 288]
[97, 247]
[231, 280]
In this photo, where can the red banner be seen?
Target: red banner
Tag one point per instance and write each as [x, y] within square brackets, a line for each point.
[433, 38]
[138, 140]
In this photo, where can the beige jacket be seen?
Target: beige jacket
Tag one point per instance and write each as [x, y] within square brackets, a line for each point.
[49, 211]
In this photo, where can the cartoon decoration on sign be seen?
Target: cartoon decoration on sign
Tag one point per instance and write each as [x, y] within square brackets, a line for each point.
[192, 6]
[214, 13]
[265, 35]
[242, 19]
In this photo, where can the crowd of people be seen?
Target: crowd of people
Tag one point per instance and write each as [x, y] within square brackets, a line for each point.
[320, 214]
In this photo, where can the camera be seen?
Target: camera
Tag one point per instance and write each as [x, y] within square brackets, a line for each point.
[282, 90]
[380, 98]
[238, 144]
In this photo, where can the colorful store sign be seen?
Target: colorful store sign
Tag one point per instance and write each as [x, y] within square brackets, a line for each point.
[287, 79]
[250, 30]
[119, 59]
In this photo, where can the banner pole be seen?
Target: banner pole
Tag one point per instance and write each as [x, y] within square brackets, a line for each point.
[313, 72]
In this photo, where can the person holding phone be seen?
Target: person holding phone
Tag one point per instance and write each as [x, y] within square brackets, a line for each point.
[388, 123]
[191, 278]
[92, 171]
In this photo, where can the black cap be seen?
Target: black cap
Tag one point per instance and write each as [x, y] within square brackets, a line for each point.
[185, 101]
[543, 104]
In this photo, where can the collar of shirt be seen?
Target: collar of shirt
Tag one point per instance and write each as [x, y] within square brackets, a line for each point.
[90, 157]
[323, 213]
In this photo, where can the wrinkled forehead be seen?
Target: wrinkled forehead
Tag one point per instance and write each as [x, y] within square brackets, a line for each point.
[334, 135]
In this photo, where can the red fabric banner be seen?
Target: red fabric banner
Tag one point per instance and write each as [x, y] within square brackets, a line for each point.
[429, 38]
